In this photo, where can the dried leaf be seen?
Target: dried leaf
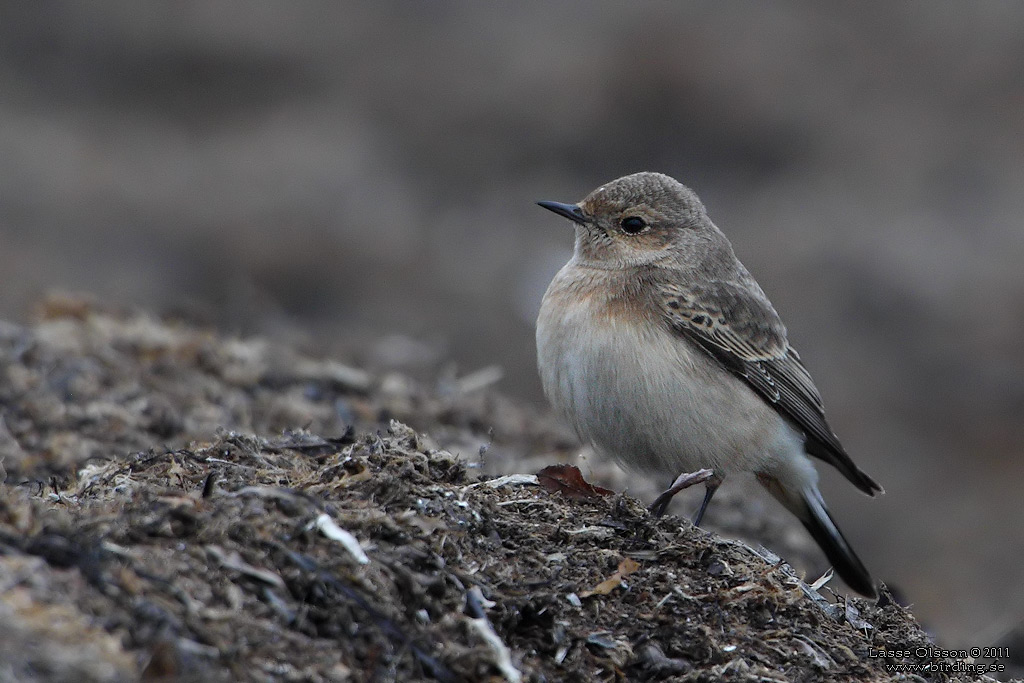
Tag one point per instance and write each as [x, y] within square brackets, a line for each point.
[823, 579]
[626, 567]
[569, 481]
[508, 480]
[331, 530]
[233, 560]
[853, 616]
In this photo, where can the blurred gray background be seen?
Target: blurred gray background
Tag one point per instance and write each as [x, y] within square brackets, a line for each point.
[359, 170]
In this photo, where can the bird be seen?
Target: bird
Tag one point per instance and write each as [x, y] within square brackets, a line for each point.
[661, 350]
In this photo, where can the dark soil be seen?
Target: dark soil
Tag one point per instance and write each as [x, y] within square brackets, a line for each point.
[176, 506]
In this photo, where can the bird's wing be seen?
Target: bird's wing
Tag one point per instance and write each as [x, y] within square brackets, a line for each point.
[739, 328]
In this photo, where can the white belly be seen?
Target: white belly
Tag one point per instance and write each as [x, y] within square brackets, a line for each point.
[651, 400]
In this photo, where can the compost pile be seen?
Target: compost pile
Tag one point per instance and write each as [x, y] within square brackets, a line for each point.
[184, 506]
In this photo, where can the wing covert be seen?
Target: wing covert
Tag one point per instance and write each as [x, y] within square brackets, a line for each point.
[743, 332]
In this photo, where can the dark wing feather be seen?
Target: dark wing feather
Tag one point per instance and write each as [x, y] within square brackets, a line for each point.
[742, 330]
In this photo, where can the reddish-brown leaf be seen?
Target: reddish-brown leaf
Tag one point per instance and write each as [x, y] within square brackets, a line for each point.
[568, 480]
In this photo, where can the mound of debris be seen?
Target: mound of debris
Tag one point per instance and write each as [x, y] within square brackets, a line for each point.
[181, 506]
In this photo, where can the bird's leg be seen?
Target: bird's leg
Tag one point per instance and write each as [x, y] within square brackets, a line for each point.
[684, 481]
[711, 486]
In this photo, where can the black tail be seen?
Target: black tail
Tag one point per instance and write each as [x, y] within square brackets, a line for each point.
[838, 551]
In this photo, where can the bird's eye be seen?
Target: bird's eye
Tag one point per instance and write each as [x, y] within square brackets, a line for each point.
[632, 225]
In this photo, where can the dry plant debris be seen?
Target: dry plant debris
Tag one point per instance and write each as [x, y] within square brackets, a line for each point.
[185, 507]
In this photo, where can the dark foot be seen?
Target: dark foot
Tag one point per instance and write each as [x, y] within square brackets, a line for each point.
[683, 481]
[712, 486]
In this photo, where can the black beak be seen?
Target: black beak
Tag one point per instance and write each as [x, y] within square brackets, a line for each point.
[571, 211]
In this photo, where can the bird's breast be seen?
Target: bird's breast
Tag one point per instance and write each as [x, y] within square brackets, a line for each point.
[638, 391]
